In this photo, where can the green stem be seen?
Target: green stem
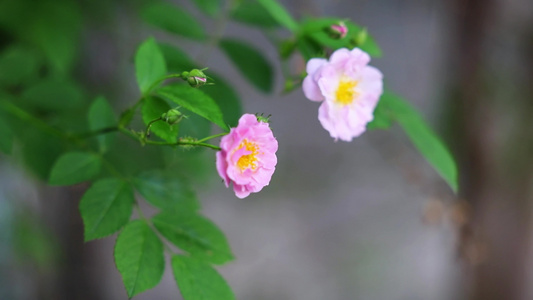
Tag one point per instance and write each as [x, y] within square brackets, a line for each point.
[152, 227]
[212, 137]
[127, 115]
[147, 132]
[183, 143]
[110, 167]
[136, 137]
[199, 144]
[43, 126]
[25, 116]
[96, 132]
[130, 134]
[157, 82]
[38, 123]
[137, 204]
[141, 214]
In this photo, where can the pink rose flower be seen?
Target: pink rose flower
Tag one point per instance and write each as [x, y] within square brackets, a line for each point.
[248, 156]
[348, 88]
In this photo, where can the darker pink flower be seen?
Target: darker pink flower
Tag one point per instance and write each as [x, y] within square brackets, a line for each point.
[248, 156]
[348, 88]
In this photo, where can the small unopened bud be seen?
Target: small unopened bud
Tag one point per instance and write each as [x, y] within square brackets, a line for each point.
[338, 31]
[261, 118]
[195, 77]
[172, 116]
[289, 85]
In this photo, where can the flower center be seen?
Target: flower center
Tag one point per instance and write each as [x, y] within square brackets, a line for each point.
[248, 160]
[346, 91]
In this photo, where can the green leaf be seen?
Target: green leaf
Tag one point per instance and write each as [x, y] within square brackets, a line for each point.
[315, 29]
[6, 137]
[194, 234]
[19, 65]
[40, 151]
[177, 60]
[106, 207]
[152, 109]
[50, 27]
[149, 65]
[309, 48]
[127, 116]
[226, 98]
[424, 139]
[60, 47]
[280, 14]
[222, 92]
[54, 27]
[199, 281]
[371, 47]
[173, 19]
[74, 167]
[129, 159]
[210, 7]
[252, 64]
[382, 116]
[195, 101]
[195, 126]
[253, 13]
[101, 116]
[139, 257]
[54, 95]
[166, 190]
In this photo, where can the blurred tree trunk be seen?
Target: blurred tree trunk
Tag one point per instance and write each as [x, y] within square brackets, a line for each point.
[74, 277]
[496, 175]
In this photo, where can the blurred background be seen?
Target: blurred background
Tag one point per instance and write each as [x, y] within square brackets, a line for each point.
[368, 219]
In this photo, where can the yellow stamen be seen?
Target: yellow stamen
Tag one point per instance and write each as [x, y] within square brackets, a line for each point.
[249, 160]
[346, 91]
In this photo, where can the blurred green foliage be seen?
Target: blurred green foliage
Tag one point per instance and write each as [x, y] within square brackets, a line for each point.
[64, 138]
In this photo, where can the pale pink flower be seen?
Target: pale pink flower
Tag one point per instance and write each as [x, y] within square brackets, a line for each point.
[348, 88]
[248, 156]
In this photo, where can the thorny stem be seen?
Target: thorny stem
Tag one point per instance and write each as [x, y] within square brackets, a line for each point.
[136, 137]
[147, 132]
[78, 138]
[189, 143]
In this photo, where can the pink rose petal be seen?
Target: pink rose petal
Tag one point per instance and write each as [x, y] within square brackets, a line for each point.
[247, 159]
